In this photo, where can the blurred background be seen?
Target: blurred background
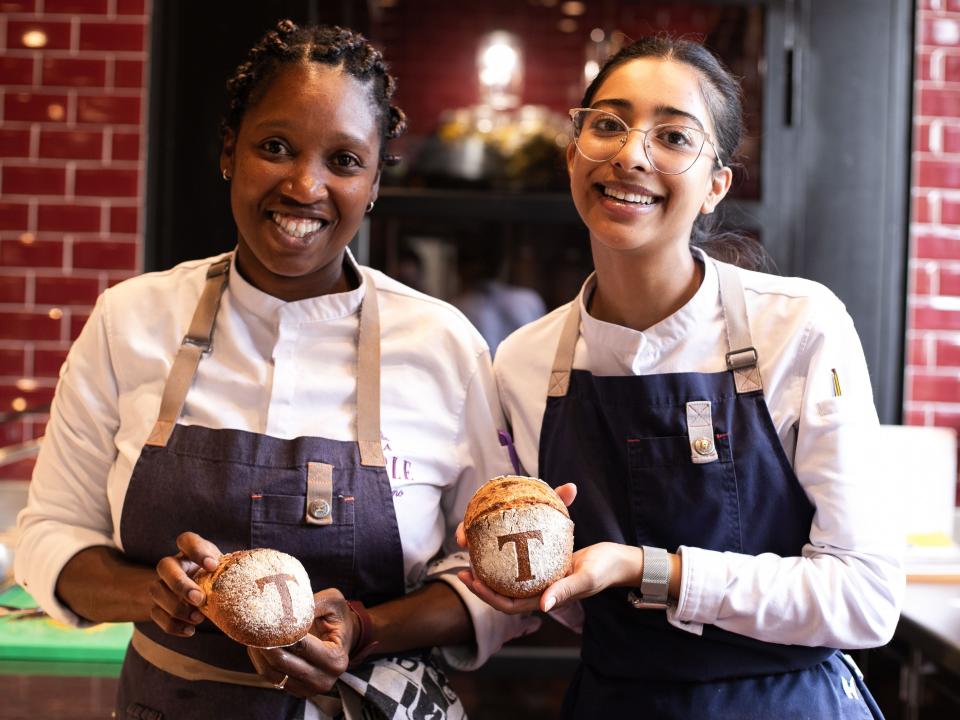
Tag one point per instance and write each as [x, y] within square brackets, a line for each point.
[849, 175]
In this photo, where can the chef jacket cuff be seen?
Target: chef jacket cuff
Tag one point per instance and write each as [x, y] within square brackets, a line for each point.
[570, 616]
[491, 628]
[39, 568]
[702, 580]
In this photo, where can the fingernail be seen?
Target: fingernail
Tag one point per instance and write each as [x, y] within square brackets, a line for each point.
[196, 617]
[189, 630]
[195, 597]
[549, 603]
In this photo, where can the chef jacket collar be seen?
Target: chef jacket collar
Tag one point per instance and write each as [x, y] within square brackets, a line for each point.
[314, 309]
[635, 348]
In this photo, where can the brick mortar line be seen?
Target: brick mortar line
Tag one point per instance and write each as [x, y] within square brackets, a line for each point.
[945, 193]
[930, 155]
[41, 344]
[80, 236]
[951, 119]
[947, 335]
[930, 49]
[946, 231]
[64, 54]
[929, 84]
[951, 264]
[74, 34]
[51, 163]
[936, 371]
[934, 403]
[915, 301]
[41, 15]
[931, 14]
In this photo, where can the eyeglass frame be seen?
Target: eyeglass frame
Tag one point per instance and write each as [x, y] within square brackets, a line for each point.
[626, 135]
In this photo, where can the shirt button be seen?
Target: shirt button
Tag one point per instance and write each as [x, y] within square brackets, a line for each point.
[703, 445]
[319, 509]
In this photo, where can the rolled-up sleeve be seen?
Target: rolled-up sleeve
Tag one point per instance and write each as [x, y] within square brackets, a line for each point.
[68, 509]
[481, 458]
[845, 588]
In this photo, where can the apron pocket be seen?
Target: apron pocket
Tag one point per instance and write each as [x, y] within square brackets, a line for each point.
[326, 551]
[676, 502]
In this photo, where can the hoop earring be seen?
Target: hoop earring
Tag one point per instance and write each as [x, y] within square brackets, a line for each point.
[225, 175]
[370, 206]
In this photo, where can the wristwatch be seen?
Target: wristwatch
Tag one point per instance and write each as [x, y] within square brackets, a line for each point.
[655, 582]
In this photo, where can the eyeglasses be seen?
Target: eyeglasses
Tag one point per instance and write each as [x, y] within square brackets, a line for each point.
[670, 149]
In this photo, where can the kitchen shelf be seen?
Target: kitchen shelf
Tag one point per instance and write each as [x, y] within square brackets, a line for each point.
[465, 204]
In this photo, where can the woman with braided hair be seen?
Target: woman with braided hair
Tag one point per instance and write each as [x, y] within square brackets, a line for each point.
[279, 395]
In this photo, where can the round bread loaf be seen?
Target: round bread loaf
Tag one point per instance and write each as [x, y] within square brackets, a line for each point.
[519, 534]
[258, 597]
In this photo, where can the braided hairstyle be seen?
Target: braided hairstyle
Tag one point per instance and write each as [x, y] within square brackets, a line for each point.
[327, 44]
[723, 97]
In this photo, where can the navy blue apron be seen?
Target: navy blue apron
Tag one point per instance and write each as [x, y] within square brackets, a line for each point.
[242, 490]
[684, 459]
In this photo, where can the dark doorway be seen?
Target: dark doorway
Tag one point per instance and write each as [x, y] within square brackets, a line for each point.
[827, 195]
[195, 46]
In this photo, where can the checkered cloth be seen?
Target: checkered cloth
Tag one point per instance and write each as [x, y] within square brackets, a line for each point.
[395, 688]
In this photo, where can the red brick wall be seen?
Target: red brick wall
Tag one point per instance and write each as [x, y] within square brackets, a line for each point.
[932, 388]
[72, 119]
[71, 184]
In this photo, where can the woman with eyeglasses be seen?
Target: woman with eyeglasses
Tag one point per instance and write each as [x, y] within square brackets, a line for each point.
[713, 424]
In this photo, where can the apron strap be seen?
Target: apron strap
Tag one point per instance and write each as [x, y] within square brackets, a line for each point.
[368, 379]
[567, 345]
[199, 339]
[188, 668]
[742, 359]
[195, 343]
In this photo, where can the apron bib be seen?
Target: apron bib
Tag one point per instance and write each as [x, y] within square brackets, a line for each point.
[327, 502]
[684, 459]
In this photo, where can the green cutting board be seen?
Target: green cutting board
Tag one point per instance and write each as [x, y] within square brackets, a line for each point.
[42, 639]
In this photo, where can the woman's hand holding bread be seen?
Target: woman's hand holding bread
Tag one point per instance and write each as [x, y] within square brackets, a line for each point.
[177, 598]
[313, 664]
[296, 639]
[592, 569]
[468, 531]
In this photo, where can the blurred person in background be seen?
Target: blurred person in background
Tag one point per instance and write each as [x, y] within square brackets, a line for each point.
[494, 307]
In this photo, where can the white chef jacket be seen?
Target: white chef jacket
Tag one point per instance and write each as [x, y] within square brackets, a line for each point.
[845, 588]
[284, 369]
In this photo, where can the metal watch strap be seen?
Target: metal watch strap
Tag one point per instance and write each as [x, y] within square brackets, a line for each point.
[655, 582]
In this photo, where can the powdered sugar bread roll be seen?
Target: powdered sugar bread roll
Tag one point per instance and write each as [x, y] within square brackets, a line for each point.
[519, 534]
[258, 597]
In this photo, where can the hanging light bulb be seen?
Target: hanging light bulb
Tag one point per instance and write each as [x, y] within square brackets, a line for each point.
[500, 67]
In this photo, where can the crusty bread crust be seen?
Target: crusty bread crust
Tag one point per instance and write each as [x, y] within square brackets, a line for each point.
[259, 597]
[511, 491]
[519, 535]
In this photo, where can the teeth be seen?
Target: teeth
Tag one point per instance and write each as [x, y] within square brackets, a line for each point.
[629, 197]
[296, 226]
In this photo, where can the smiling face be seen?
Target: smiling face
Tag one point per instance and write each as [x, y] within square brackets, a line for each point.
[304, 165]
[625, 203]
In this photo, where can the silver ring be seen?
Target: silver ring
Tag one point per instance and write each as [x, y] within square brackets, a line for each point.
[280, 685]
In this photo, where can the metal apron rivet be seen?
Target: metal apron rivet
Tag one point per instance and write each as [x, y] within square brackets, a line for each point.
[703, 445]
[319, 509]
